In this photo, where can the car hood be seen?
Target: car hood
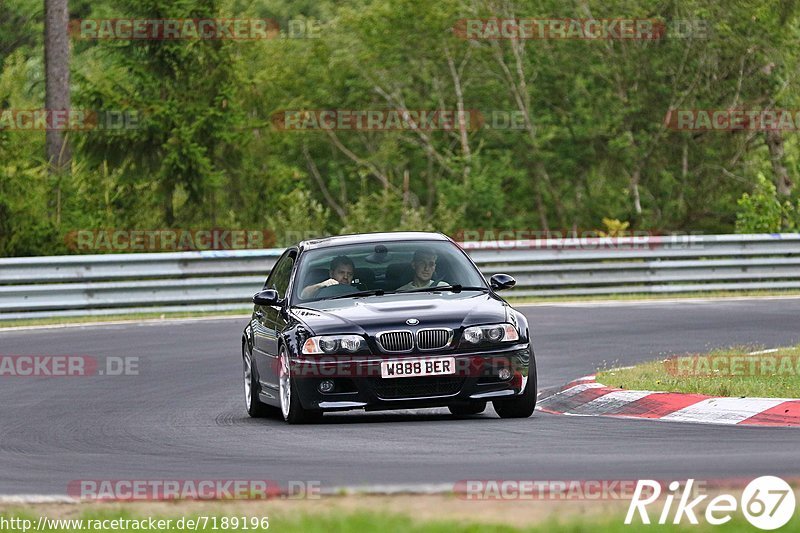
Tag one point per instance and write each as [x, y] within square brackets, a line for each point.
[380, 313]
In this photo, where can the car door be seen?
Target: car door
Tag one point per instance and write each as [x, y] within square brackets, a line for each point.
[269, 321]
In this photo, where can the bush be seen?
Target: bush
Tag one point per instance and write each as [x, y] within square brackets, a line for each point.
[763, 212]
[383, 211]
[299, 218]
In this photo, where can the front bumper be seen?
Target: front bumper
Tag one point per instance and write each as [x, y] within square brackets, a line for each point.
[358, 383]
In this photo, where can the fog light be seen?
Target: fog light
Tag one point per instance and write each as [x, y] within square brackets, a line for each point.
[504, 374]
[326, 385]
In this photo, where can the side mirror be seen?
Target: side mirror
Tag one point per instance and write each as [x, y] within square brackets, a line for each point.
[500, 282]
[267, 297]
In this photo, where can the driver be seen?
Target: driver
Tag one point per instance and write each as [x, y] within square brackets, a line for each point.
[424, 265]
[341, 272]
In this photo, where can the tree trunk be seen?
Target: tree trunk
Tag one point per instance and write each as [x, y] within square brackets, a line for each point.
[56, 59]
[636, 176]
[774, 140]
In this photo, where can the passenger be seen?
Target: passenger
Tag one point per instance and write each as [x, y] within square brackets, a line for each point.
[341, 272]
[424, 265]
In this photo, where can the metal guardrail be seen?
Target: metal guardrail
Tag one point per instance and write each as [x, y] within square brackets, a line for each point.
[218, 280]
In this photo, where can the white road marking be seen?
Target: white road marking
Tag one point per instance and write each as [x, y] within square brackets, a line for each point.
[35, 498]
[612, 401]
[568, 393]
[645, 301]
[577, 389]
[144, 322]
[418, 488]
[723, 410]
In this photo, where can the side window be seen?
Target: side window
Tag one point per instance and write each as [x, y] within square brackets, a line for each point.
[279, 277]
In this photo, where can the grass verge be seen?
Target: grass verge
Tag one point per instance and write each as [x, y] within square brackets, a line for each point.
[367, 521]
[131, 317]
[652, 296]
[729, 372]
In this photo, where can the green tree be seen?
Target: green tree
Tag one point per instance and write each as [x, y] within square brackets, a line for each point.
[187, 132]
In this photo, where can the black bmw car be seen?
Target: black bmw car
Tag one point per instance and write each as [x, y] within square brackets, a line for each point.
[385, 321]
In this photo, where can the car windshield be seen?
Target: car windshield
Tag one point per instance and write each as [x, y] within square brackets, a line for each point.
[380, 268]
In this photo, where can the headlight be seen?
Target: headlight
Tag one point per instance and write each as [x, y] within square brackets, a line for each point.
[495, 334]
[473, 335]
[330, 344]
[351, 344]
[492, 333]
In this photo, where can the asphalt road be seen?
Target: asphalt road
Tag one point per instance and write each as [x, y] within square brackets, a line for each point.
[183, 417]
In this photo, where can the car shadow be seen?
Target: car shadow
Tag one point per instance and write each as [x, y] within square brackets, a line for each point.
[380, 417]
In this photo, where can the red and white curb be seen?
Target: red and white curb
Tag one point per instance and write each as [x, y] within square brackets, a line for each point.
[587, 397]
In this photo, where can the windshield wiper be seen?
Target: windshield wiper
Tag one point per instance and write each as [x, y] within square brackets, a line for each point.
[373, 292]
[451, 288]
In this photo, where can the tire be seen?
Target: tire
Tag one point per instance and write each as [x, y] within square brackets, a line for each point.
[292, 411]
[466, 409]
[523, 405]
[255, 407]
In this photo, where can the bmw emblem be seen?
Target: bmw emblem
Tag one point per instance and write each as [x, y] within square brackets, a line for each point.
[412, 321]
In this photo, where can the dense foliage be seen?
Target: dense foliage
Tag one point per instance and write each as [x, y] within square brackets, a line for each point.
[589, 140]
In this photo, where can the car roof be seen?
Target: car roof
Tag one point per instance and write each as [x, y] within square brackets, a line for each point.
[366, 238]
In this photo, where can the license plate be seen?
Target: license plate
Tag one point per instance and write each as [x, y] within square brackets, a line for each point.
[407, 368]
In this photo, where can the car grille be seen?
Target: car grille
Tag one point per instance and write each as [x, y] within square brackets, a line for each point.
[428, 386]
[432, 339]
[396, 341]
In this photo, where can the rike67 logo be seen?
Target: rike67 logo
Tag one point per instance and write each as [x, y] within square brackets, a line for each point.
[767, 502]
